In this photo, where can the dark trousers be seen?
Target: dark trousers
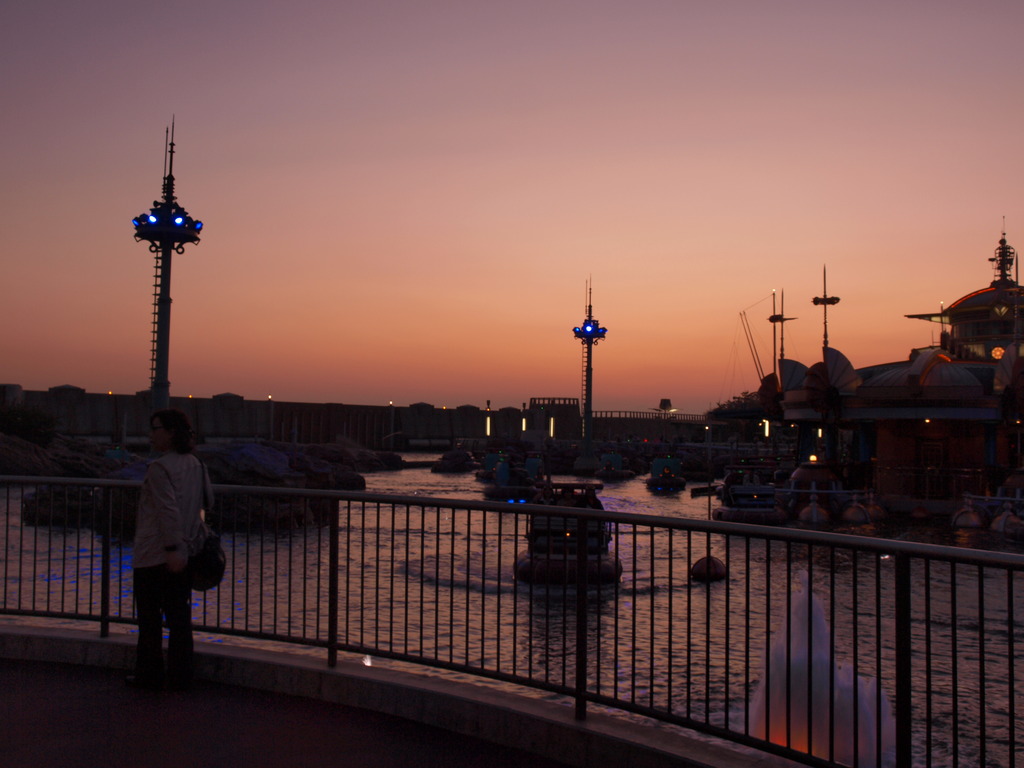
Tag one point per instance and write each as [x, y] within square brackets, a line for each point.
[161, 594]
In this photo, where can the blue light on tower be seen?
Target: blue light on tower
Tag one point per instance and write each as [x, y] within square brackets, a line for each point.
[590, 331]
[167, 228]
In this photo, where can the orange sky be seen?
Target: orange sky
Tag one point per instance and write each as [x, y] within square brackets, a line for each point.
[404, 200]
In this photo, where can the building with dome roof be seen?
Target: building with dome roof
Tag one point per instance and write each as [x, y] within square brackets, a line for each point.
[925, 430]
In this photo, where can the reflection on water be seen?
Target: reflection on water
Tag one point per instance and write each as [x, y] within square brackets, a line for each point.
[427, 582]
[632, 496]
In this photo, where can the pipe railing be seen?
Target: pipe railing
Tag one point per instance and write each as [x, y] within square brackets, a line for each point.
[902, 653]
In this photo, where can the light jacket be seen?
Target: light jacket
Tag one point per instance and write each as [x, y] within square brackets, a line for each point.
[169, 515]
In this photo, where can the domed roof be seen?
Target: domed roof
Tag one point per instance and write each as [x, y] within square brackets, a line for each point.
[950, 375]
[993, 296]
[999, 299]
[932, 369]
[894, 377]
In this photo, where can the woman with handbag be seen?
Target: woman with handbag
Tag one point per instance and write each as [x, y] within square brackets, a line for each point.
[169, 528]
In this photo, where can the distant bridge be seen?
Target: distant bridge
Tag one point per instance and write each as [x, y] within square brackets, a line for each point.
[655, 415]
[667, 426]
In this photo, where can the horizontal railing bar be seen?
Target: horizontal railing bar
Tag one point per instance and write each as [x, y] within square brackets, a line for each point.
[747, 530]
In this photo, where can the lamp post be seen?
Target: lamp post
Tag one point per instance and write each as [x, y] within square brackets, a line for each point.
[167, 228]
[270, 419]
[589, 333]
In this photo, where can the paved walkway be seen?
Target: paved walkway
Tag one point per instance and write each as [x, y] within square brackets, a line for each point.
[63, 702]
[70, 716]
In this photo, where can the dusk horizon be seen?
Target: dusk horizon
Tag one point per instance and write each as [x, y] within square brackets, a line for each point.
[405, 202]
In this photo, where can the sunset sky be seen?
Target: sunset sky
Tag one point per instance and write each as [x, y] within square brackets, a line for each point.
[404, 201]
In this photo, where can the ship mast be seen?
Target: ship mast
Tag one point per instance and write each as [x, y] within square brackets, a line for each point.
[825, 301]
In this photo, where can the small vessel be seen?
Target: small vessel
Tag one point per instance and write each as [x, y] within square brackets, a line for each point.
[513, 483]
[666, 476]
[552, 554]
[748, 496]
[612, 469]
[813, 493]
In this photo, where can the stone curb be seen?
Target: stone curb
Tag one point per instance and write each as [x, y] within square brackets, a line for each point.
[541, 727]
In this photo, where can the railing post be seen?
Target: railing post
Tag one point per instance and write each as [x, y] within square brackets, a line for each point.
[332, 588]
[581, 618]
[904, 666]
[108, 513]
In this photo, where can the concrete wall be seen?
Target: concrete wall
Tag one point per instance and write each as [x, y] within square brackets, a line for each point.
[124, 420]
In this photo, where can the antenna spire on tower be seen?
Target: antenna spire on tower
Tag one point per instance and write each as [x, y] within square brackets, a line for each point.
[169, 166]
[779, 319]
[825, 300]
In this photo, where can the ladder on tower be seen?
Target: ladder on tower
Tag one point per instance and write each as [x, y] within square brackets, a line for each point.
[583, 382]
[157, 273]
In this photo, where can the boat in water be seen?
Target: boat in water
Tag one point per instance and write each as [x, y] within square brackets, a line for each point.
[612, 468]
[811, 495]
[749, 496]
[514, 483]
[666, 476]
[553, 547]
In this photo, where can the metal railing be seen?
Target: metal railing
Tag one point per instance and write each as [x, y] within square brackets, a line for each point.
[897, 653]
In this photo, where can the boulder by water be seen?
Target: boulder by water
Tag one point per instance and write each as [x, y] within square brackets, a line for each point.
[336, 466]
[20, 457]
[456, 461]
[63, 457]
[266, 464]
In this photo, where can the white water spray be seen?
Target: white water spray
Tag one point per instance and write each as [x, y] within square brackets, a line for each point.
[858, 723]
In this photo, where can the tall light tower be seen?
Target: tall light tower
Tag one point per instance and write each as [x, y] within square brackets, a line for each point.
[589, 333]
[167, 228]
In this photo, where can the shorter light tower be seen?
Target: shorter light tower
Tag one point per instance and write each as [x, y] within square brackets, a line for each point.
[167, 228]
[589, 332]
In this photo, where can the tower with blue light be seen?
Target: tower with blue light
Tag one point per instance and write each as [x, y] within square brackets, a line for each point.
[167, 228]
[589, 332]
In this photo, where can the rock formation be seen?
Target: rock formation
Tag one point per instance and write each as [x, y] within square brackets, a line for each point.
[335, 466]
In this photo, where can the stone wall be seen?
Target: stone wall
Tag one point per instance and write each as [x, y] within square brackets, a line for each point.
[124, 419]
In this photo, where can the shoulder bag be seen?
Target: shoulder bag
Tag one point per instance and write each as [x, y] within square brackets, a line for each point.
[206, 567]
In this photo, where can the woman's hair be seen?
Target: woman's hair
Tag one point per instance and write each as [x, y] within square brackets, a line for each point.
[174, 421]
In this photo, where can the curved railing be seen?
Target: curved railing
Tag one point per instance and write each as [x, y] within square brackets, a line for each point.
[906, 655]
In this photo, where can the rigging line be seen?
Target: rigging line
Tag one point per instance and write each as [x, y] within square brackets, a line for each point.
[729, 373]
[752, 346]
[759, 301]
[730, 366]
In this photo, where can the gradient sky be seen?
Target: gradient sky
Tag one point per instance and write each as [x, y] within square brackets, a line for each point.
[404, 200]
